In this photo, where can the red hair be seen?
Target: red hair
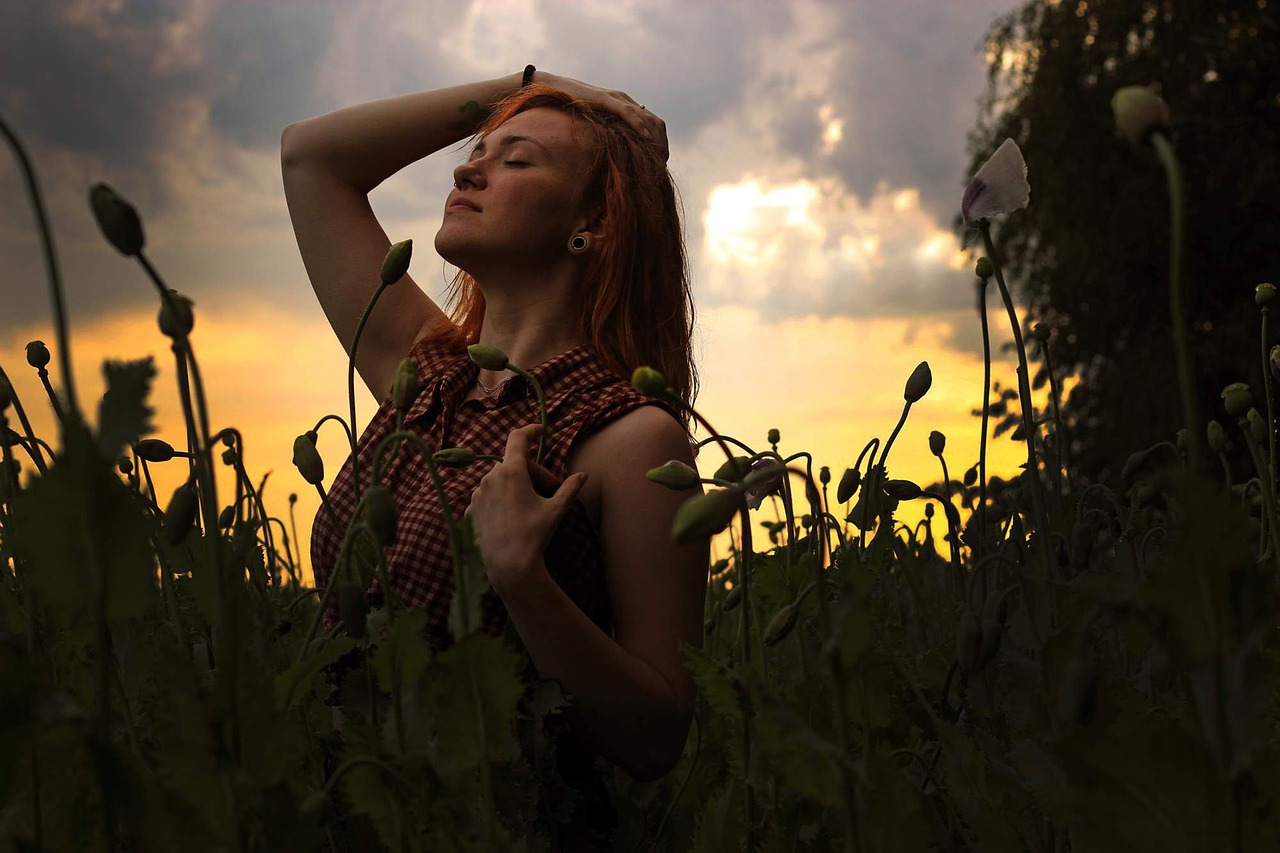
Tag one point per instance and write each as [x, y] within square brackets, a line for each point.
[634, 293]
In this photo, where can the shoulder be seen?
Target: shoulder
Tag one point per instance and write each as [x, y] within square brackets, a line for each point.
[639, 434]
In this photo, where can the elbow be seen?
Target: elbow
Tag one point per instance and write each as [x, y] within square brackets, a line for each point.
[292, 141]
[663, 753]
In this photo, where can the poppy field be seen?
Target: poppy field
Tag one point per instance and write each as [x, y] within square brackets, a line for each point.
[1041, 664]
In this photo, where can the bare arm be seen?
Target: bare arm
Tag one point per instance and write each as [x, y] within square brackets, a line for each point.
[330, 164]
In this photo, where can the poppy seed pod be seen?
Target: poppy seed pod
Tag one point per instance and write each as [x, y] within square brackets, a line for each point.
[227, 517]
[902, 490]
[454, 457]
[125, 465]
[37, 354]
[243, 539]
[848, 484]
[307, 458]
[928, 510]
[293, 498]
[380, 512]
[1237, 399]
[781, 624]
[774, 436]
[1217, 437]
[117, 220]
[1257, 426]
[968, 637]
[180, 514]
[178, 321]
[983, 269]
[229, 456]
[228, 438]
[1040, 332]
[1264, 293]
[824, 475]
[404, 390]
[488, 357]
[937, 443]
[1139, 112]
[396, 262]
[733, 469]
[353, 608]
[649, 381]
[674, 475]
[154, 450]
[703, 516]
[918, 383]
[733, 599]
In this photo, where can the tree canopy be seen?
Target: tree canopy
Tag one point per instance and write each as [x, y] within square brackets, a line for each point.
[1089, 256]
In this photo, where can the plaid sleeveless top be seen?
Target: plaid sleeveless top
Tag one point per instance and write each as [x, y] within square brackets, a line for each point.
[582, 395]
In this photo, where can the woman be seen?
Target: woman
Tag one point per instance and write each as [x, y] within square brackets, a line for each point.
[564, 226]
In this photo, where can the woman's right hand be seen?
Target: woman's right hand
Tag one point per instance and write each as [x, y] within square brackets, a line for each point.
[619, 103]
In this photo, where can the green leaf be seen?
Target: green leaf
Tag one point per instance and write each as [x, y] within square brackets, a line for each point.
[477, 580]
[123, 414]
[805, 763]
[715, 684]
[405, 652]
[476, 680]
[291, 685]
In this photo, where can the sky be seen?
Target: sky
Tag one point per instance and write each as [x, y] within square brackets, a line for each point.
[818, 148]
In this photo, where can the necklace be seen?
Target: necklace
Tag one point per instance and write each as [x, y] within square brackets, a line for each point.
[486, 389]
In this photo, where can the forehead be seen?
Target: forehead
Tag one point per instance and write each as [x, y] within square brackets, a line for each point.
[559, 132]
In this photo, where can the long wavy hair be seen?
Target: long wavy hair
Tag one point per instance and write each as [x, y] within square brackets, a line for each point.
[634, 293]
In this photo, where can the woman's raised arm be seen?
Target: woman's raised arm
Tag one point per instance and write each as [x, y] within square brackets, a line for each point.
[330, 164]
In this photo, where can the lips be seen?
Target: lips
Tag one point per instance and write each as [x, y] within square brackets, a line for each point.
[462, 203]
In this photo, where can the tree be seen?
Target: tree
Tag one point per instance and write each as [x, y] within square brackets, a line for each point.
[1088, 257]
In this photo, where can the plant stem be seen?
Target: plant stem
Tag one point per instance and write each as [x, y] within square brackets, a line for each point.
[1177, 218]
[986, 412]
[351, 387]
[1271, 408]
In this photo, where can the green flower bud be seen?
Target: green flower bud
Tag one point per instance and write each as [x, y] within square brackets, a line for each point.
[674, 475]
[1257, 426]
[824, 475]
[227, 517]
[781, 624]
[293, 498]
[1040, 332]
[454, 457]
[396, 262]
[709, 625]
[918, 383]
[244, 538]
[180, 514]
[902, 490]
[1217, 437]
[983, 268]
[227, 437]
[774, 436]
[380, 512]
[1264, 293]
[971, 476]
[928, 510]
[353, 608]
[155, 450]
[968, 637]
[1139, 112]
[705, 515]
[179, 321]
[1237, 399]
[37, 354]
[733, 469]
[125, 465]
[866, 510]
[405, 388]
[848, 484]
[229, 456]
[307, 458]
[990, 643]
[1181, 440]
[1160, 668]
[937, 443]
[649, 381]
[117, 220]
[1078, 694]
[490, 358]
[733, 599]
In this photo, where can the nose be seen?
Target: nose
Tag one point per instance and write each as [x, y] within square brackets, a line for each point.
[468, 174]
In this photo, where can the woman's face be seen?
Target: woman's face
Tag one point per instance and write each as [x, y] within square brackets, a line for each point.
[518, 197]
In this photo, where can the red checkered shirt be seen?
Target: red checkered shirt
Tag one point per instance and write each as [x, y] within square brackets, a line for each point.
[582, 395]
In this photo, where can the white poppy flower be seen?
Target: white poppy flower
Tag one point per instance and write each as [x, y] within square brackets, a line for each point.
[1000, 186]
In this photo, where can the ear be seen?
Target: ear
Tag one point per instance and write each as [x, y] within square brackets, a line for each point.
[595, 225]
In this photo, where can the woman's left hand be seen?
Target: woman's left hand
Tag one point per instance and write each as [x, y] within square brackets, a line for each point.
[511, 522]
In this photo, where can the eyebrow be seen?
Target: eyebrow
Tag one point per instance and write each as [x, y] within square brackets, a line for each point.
[507, 142]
